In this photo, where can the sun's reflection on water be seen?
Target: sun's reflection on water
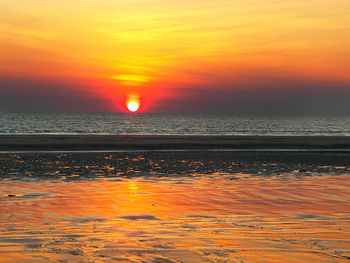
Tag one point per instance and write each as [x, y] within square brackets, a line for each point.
[183, 219]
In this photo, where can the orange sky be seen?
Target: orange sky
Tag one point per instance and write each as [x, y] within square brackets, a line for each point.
[172, 50]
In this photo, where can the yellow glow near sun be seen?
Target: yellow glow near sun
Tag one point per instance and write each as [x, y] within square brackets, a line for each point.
[133, 106]
[132, 79]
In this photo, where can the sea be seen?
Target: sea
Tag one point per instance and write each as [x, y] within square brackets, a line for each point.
[170, 124]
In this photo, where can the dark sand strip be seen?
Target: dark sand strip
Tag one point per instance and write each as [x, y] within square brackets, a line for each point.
[92, 166]
[145, 142]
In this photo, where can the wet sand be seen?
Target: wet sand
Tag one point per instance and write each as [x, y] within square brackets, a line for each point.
[175, 207]
[87, 166]
[202, 219]
[144, 142]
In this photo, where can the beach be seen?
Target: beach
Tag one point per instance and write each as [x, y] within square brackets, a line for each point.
[174, 201]
[106, 165]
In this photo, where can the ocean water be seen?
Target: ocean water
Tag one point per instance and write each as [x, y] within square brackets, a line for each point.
[170, 124]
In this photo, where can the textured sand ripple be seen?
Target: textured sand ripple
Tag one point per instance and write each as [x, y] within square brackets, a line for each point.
[235, 165]
[187, 219]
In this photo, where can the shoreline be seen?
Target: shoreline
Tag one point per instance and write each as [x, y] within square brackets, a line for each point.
[117, 143]
[115, 166]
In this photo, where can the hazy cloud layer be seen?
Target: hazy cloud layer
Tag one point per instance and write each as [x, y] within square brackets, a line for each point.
[31, 96]
[280, 97]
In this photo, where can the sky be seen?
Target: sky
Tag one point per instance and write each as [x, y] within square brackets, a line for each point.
[176, 56]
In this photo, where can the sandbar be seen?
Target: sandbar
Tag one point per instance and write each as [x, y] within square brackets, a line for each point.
[170, 142]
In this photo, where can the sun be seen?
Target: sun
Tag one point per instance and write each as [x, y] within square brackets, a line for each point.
[133, 106]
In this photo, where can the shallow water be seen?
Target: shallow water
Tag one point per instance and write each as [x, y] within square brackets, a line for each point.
[170, 124]
[197, 219]
[175, 207]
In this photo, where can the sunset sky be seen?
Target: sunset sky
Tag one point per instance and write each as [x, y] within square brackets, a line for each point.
[223, 56]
